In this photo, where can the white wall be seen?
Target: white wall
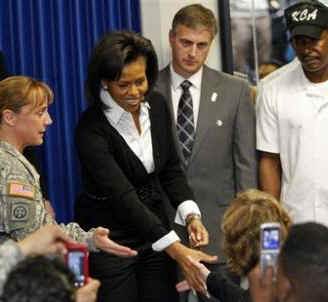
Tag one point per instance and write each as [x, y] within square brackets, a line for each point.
[157, 16]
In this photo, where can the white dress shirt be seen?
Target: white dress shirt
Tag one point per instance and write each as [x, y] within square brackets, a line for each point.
[142, 147]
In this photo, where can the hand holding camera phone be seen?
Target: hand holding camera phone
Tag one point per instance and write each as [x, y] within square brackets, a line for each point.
[270, 246]
[77, 259]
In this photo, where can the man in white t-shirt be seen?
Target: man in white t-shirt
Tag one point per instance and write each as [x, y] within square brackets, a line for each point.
[292, 118]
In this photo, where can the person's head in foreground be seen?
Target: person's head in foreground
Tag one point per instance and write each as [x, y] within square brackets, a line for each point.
[24, 115]
[241, 228]
[39, 279]
[303, 264]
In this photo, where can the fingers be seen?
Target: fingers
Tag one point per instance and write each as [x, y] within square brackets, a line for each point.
[208, 259]
[204, 238]
[196, 283]
[193, 240]
[261, 285]
[118, 250]
[267, 276]
[58, 234]
[58, 248]
[193, 276]
[102, 231]
[104, 243]
[182, 286]
[88, 293]
[92, 284]
[196, 263]
[198, 235]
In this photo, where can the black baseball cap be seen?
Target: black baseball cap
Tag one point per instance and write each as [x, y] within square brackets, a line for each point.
[307, 18]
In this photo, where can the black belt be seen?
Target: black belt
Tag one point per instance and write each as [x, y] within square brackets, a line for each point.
[145, 192]
[96, 197]
[148, 191]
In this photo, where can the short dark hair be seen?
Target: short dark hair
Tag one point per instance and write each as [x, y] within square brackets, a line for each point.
[39, 279]
[112, 53]
[304, 261]
[195, 15]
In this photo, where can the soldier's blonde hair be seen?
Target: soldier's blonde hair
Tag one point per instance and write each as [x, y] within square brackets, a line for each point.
[18, 91]
[241, 228]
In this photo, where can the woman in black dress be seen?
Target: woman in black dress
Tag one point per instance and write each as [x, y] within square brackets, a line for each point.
[129, 167]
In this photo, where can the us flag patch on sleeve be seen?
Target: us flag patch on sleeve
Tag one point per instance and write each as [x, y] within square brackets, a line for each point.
[20, 189]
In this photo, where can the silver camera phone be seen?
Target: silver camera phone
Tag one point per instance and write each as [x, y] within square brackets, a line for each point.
[270, 246]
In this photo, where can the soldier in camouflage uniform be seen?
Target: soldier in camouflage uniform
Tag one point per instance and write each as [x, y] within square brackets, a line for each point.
[21, 204]
[23, 120]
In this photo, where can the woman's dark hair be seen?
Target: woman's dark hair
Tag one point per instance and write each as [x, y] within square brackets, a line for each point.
[111, 54]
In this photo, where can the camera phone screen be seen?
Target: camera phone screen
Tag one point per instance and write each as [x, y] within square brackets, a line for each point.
[75, 263]
[271, 239]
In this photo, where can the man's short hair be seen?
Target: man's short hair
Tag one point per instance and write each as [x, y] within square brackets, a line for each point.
[194, 16]
[303, 261]
[39, 279]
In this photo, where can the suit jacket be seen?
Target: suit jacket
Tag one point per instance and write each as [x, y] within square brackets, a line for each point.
[116, 184]
[3, 67]
[224, 158]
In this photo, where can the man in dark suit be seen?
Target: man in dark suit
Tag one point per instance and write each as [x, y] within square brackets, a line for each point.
[216, 143]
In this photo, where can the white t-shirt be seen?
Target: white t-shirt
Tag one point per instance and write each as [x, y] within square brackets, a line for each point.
[292, 120]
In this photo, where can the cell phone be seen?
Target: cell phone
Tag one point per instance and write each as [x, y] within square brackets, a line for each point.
[77, 260]
[270, 246]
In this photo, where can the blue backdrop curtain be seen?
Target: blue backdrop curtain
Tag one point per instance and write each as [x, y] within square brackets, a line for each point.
[51, 40]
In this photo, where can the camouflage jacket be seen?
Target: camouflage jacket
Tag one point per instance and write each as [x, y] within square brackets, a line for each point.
[22, 209]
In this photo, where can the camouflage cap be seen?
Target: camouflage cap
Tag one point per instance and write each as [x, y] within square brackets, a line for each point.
[307, 18]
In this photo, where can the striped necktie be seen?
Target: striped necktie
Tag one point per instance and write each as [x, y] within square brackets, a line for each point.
[185, 121]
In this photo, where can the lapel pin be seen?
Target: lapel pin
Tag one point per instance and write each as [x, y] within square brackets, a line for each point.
[219, 123]
[214, 97]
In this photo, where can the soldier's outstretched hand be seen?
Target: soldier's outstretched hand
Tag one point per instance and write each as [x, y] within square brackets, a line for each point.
[101, 240]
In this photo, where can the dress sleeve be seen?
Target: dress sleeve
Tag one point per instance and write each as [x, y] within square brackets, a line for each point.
[222, 288]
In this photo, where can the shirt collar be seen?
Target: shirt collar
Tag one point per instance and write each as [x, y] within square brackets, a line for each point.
[177, 79]
[114, 111]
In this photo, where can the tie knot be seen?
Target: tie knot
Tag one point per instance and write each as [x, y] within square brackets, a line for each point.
[185, 85]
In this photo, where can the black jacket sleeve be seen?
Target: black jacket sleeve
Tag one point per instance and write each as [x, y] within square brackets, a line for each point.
[224, 289]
